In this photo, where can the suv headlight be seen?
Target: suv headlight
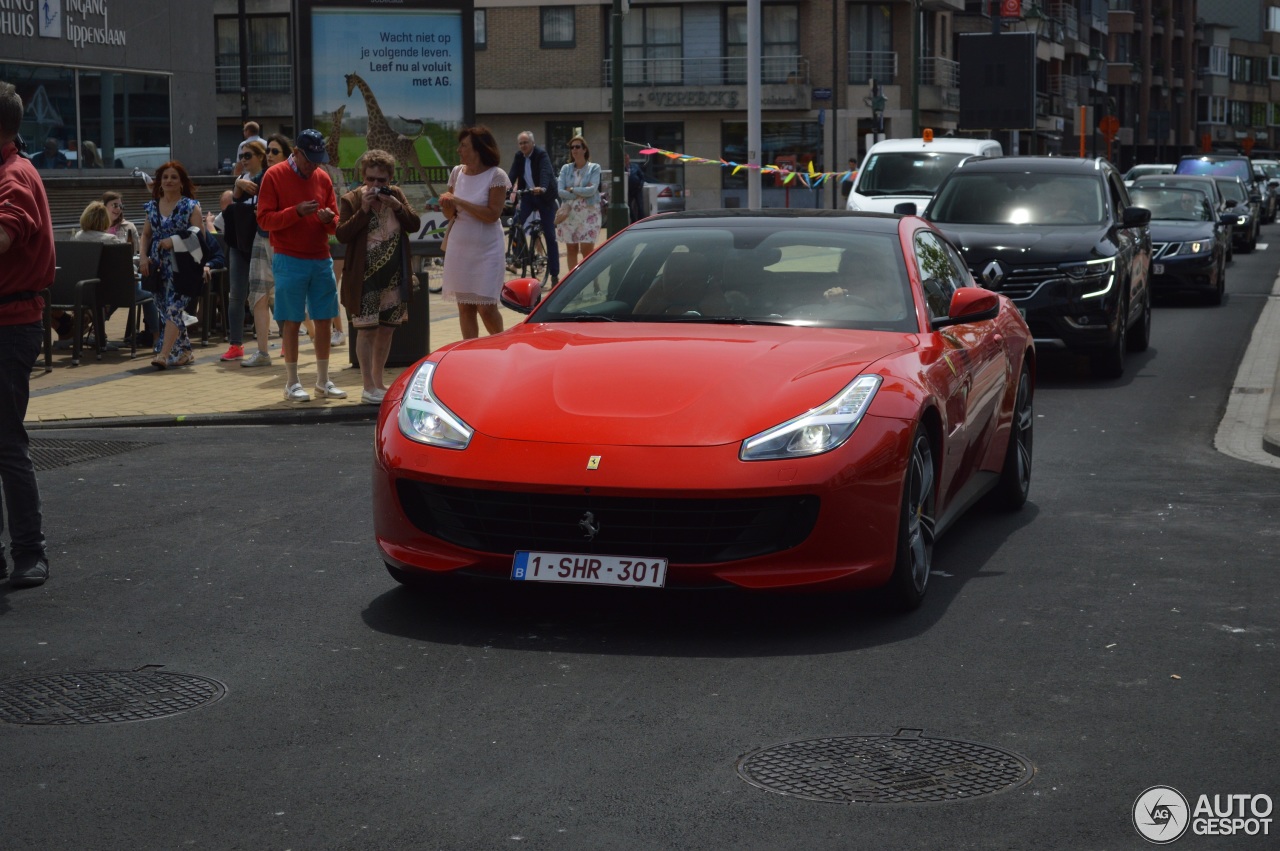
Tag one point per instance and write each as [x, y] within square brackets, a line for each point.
[425, 419]
[1094, 277]
[1242, 220]
[1194, 248]
[815, 432]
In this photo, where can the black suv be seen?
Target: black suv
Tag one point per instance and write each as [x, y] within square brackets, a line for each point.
[1057, 236]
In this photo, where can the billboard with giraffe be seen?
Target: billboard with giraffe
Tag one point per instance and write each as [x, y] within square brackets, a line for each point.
[389, 74]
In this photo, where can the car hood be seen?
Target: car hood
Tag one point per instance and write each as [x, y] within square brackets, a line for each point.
[886, 203]
[650, 384]
[1166, 231]
[1020, 246]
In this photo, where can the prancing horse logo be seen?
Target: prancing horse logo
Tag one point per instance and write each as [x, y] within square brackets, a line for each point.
[589, 526]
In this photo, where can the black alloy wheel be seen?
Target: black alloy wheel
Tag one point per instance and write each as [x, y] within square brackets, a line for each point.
[1140, 339]
[1015, 475]
[1215, 295]
[1110, 363]
[916, 523]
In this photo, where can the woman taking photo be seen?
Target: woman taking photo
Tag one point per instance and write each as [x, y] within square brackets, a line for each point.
[172, 211]
[242, 214]
[475, 262]
[262, 282]
[374, 222]
[580, 190]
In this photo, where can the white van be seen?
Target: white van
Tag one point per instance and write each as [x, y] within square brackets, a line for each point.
[900, 170]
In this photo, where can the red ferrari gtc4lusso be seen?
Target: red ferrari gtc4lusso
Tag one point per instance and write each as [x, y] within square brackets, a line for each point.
[765, 400]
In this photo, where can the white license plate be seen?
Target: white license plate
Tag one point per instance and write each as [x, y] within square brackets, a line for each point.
[582, 569]
[1157, 268]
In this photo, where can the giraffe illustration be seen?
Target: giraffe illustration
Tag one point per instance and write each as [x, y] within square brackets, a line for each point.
[334, 166]
[380, 134]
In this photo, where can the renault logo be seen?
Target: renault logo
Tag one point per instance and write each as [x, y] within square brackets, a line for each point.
[589, 526]
[993, 274]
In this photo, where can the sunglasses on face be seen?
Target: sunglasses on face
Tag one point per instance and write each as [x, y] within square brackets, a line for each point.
[246, 156]
[575, 147]
[275, 151]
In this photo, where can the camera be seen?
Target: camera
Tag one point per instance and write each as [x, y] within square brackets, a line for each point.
[384, 190]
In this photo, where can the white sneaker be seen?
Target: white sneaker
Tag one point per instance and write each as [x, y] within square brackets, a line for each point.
[188, 319]
[258, 358]
[372, 397]
[336, 338]
[331, 390]
[295, 393]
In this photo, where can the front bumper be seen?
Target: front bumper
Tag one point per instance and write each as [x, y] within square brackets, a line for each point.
[540, 492]
[1185, 272]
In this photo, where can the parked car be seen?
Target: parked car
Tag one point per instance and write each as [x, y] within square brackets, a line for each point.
[1244, 234]
[1060, 237]
[663, 198]
[898, 171]
[1189, 240]
[724, 398]
[1144, 170]
[1200, 183]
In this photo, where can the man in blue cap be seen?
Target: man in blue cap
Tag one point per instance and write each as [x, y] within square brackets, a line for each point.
[298, 210]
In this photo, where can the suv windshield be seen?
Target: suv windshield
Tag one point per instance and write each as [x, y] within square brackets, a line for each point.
[1013, 198]
[906, 172]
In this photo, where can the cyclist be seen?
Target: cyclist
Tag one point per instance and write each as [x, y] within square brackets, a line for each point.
[532, 170]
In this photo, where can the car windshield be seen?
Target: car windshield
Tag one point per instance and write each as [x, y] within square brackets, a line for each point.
[1139, 170]
[906, 172]
[1019, 198]
[1179, 205]
[1232, 191]
[770, 271]
[1217, 168]
[1269, 169]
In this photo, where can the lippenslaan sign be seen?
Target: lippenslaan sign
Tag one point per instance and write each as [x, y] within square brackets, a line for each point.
[80, 22]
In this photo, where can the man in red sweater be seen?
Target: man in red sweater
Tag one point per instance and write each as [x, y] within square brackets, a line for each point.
[26, 267]
[297, 208]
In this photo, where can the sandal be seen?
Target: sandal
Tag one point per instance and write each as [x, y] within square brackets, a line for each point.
[159, 363]
[184, 359]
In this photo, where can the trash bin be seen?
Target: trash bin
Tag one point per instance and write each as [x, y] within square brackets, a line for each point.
[412, 340]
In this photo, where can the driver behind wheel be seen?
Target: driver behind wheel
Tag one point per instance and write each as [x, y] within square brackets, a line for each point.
[685, 286]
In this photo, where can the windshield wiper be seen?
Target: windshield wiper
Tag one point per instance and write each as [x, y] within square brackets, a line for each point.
[722, 320]
[579, 316]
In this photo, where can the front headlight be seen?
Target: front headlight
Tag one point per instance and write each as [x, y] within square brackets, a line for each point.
[1194, 248]
[1095, 276]
[820, 430]
[1242, 220]
[423, 418]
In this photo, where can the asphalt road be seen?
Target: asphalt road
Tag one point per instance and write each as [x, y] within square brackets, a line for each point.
[1119, 633]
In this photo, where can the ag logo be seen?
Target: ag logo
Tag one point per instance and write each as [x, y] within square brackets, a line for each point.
[1161, 814]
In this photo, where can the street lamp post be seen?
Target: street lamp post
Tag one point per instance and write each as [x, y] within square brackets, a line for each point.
[1096, 62]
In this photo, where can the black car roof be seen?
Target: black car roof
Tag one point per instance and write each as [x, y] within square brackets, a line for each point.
[1039, 165]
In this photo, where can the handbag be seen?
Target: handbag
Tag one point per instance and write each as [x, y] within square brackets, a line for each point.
[562, 214]
[188, 272]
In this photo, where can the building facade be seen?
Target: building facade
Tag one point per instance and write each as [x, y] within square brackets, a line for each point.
[111, 85]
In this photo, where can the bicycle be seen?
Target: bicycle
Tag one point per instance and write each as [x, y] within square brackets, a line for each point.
[526, 248]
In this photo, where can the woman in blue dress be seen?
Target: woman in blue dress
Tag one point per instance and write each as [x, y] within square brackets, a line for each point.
[170, 214]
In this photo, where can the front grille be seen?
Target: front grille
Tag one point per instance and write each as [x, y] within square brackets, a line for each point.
[1164, 249]
[684, 531]
[1020, 281]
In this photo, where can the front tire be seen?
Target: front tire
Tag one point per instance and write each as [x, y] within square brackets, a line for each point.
[1110, 364]
[1140, 339]
[916, 523]
[1015, 475]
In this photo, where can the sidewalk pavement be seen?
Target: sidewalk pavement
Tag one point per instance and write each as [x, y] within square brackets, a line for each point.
[119, 391]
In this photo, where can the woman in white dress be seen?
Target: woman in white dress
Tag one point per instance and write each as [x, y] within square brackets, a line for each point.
[580, 189]
[475, 263]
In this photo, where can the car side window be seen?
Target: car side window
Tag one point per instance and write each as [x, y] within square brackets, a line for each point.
[1119, 197]
[938, 272]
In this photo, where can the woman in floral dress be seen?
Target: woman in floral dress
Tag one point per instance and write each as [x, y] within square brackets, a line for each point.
[580, 189]
[172, 211]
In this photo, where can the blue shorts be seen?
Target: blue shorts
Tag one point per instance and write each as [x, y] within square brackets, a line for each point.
[303, 288]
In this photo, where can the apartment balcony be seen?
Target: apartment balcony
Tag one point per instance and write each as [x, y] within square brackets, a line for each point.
[710, 83]
[868, 65]
[1069, 15]
[939, 83]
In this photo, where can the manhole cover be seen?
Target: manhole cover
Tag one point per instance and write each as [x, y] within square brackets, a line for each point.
[905, 768]
[47, 454]
[104, 697]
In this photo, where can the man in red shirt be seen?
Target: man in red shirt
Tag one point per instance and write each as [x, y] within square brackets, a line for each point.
[298, 210]
[26, 267]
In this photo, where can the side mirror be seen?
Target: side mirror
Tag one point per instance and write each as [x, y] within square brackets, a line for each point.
[1231, 203]
[1274, 183]
[522, 294]
[906, 208]
[970, 304]
[1134, 217]
[1227, 219]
